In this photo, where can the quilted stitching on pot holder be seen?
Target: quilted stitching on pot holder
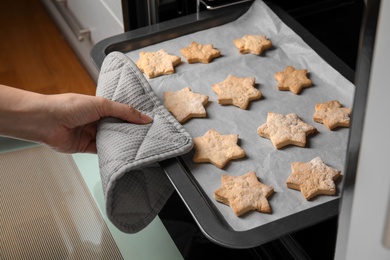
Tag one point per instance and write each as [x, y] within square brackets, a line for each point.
[134, 185]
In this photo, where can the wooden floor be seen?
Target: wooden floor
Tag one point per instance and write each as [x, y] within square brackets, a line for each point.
[33, 53]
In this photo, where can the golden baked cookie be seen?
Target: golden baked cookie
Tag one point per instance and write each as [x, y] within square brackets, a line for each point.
[284, 130]
[313, 178]
[196, 52]
[216, 148]
[185, 104]
[332, 114]
[292, 79]
[255, 44]
[244, 193]
[236, 91]
[158, 63]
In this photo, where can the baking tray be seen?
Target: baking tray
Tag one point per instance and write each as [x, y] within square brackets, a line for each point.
[209, 218]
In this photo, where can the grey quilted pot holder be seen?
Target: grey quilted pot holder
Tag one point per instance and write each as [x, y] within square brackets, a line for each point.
[134, 185]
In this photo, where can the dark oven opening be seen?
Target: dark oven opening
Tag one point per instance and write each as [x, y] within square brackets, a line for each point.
[336, 23]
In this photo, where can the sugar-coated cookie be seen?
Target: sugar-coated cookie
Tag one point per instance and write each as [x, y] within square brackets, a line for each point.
[244, 193]
[185, 104]
[284, 130]
[158, 63]
[255, 44]
[203, 53]
[236, 91]
[313, 178]
[332, 115]
[292, 79]
[216, 148]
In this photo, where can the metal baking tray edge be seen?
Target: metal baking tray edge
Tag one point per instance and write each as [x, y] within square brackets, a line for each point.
[211, 223]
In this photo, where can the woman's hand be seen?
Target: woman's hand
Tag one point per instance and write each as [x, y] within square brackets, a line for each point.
[73, 121]
[65, 122]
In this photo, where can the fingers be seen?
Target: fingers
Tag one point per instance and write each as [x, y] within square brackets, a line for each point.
[135, 116]
[124, 112]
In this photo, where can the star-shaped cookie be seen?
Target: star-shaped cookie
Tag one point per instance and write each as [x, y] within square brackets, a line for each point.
[313, 178]
[196, 52]
[255, 44]
[236, 91]
[332, 114]
[216, 148]
[287, 129]
[292, 79]
[185, 104]
[158, 63]
[244, 193]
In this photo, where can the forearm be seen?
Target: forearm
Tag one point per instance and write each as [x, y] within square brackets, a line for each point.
[22, 114]
[65, 122]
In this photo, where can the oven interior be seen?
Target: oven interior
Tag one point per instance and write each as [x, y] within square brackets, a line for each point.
[336, 23]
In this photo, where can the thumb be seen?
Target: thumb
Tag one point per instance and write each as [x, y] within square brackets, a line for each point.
[124, 112]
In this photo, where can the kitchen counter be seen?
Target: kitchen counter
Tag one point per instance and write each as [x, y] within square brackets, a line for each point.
[153, 242]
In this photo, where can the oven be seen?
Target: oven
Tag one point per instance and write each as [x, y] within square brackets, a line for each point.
[323, 25]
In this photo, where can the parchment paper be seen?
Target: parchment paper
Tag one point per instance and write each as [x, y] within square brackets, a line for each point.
[272, 166]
